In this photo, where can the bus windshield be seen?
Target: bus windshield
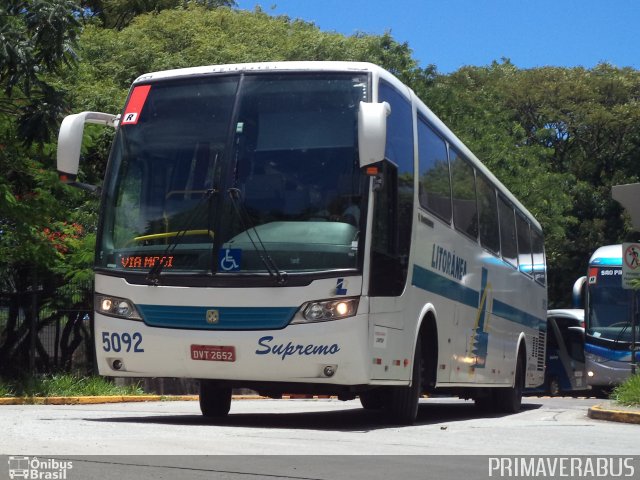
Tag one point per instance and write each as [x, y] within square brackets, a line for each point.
[212, 174]
[609, 312]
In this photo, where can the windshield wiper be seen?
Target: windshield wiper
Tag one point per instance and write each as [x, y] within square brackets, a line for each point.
[618, 338]
[261, 250]
[154, 272]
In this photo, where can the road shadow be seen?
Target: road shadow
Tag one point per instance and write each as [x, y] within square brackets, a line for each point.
[439, 414]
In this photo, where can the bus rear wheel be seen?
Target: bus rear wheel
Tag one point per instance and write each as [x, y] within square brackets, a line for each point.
[215, 401]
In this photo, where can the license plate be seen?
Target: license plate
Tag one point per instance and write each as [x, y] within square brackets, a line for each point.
[213, 353]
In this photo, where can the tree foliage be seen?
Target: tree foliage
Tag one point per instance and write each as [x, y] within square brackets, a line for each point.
[37, 39]
[118, 14]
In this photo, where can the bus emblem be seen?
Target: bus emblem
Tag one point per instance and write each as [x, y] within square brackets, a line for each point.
[213, 316]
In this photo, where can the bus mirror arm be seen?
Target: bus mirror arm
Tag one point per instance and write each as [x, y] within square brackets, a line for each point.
[87, 187]
[578, 292]
[70, 144]
[372, 132]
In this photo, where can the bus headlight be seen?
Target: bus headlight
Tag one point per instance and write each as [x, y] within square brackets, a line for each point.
[596, 358]
[326, 310]
[116, 307]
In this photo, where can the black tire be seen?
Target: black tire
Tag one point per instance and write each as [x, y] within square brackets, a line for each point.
[509, 400]
[402, 405]
[373, 399]
[485, 403]
[215, 401]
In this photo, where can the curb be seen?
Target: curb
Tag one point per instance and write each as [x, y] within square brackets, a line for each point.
[597, 412]
[93, 400]
[134, 398]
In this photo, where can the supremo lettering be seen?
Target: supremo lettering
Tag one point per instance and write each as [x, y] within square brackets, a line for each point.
[289, 349]
[447, 262]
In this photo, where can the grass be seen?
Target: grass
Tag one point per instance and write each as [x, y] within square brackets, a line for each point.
[628, 393]
[65, 385]
[6, 390]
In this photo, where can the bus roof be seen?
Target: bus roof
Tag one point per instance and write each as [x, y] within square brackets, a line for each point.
[359, 67]
[607, 255]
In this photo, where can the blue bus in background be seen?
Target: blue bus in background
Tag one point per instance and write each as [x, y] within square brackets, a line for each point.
[609, 314]
[565, 372]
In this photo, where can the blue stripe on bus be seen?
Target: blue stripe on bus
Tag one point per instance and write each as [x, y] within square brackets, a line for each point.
[515, 315]
[445, 287]
[229, 318]
[607, 261]
[435, 283]
[610, 354]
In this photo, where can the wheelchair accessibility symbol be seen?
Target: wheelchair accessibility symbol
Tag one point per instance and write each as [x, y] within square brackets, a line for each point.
[229, 259]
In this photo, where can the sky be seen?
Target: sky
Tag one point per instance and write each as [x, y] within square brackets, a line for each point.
[455, 33]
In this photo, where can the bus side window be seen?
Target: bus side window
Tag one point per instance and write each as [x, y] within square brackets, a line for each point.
[539, 263]
[488, 207]
[508, 243]
[435, 180]
[525, 259]
[465, 205]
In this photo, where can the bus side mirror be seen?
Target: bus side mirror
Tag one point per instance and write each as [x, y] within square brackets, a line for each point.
[372, 132]
[577, 331]
[70, 143]
[578, 292]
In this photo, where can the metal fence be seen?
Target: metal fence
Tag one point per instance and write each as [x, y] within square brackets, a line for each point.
[45, 327]
[61, 315]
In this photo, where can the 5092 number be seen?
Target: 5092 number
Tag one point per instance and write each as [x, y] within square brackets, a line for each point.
[118, 342]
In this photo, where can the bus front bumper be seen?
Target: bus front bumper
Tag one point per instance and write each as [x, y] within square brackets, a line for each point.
[334, 352]
[604, 372]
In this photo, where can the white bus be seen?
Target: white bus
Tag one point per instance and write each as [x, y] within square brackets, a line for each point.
[308, 227]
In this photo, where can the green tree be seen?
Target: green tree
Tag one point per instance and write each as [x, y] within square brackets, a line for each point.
[37, 41]
[119, 13]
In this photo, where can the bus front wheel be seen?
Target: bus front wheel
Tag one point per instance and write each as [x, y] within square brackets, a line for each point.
[373, 399]
[215, 401]
[402, 404]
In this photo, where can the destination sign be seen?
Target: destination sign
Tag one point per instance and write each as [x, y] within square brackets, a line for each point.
[144, 261]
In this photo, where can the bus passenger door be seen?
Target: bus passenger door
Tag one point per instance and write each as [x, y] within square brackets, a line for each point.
[392, 217]
[388, 276]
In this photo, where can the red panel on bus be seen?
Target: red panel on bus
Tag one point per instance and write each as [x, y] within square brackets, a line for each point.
[134, 107]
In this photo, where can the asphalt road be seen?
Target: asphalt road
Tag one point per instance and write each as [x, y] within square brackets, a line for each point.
[303, 439]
